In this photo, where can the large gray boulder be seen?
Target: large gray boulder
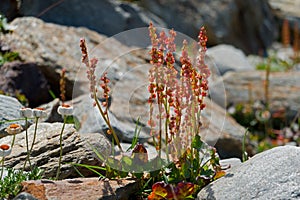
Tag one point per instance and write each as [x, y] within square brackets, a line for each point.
[53, 47]
[106, 17]
[77, 148]
[246, 24]
[273, 174]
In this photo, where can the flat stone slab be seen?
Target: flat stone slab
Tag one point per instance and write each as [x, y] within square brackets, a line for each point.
[80, 188]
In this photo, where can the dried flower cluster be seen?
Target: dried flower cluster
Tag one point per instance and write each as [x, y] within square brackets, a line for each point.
[62, 85]
[91, 66]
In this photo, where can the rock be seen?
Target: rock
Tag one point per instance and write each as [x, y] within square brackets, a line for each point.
[24, 196]
[9, 110]
[53, 47]
[229, 58]
[284, 88]
[228, 21]
[286, 9]
[81, 188]
[26, 79]
[105, 17]
[289, 7]
[273, 174]
[9, 8]
[223, 132]
[45, 154]
[230, 163]
[91, 120]
[246, 24]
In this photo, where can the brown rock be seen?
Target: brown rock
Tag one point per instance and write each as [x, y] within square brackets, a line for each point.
[81, 188]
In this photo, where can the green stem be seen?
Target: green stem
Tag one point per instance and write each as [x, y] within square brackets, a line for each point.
[2, 164]
[27, 146]
[13, 141]
[106, 119]
[167, 108]
[159, 124]
[61, 150]
[34, 135]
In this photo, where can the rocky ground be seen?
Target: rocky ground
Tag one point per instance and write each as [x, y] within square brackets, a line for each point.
[46, 48]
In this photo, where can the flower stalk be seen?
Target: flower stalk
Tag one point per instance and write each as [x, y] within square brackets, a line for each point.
[91, 66]
[26, 113]
[60, 148]
[5, 150]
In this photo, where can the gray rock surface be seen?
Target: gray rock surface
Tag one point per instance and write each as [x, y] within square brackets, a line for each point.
[246, 24]
[287, 9]
[91, 120]
[229, 58]
[45, 154]
[273, 174]
[53, 47]
[9, 110]
[284, 87]
[230, 163]
[105, 17]
[223, 132]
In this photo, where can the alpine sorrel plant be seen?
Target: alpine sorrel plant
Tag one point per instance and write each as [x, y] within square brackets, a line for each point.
[91, 66]
[176, 126]
[180, 101]
[176, 101]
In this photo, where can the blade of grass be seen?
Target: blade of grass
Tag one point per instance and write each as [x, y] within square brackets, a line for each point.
[137, 132]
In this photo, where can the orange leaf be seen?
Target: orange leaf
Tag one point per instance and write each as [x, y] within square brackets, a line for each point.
[219, 174]
[159, 191]
[184, 189]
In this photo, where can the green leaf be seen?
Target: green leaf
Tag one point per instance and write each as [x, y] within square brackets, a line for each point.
[137, 132]
[197, 143]
[186, 170]
[126, 163]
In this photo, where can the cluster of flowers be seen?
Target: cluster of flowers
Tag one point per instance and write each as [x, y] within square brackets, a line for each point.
[179, 101]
